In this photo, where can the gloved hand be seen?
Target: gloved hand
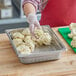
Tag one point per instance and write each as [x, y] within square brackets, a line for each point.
[33, 22]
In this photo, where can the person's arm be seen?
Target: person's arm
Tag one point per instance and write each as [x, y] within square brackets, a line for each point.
[30, 8]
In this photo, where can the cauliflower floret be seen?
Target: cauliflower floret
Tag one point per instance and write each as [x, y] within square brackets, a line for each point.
[39, 42]
[17, 42]
[38, 32]
[35, 40]
[17, 35]
[73, 26]
[73, 43]
[70, 35]
[26, 32]
[29, 42]
[73, 32]
[74, 38]
[23, 49]
[27, 38]
[46, 39]
[30, 45]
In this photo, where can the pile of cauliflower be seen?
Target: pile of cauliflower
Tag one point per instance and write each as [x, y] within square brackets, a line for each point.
[25, 43]
[73, 34]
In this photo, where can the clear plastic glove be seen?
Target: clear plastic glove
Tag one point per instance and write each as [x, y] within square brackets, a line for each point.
[33, 22]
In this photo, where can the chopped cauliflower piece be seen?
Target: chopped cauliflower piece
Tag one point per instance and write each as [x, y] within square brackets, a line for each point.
[26, 32]
[30, 45]
[74, 38]
[38, 32]
[73, 34]
[46, 39]
[73, 43]
[23, 49]
[70, 35]
[27, 38]
[17, 42]
[17, 35]
[29, 42]
[73, 26]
